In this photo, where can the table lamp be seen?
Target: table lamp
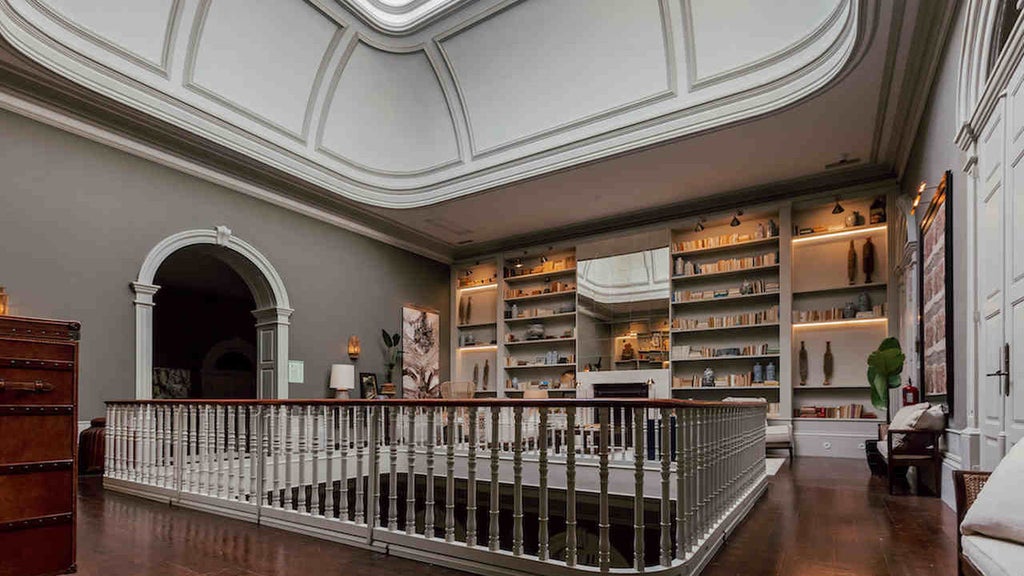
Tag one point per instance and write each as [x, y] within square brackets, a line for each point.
[343, 379]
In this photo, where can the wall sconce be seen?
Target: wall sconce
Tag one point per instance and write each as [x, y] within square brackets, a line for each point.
[838, 208]
[736, 219]
[3, 301]
[353, 347]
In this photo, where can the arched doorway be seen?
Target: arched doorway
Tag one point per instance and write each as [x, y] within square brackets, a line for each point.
[271, 307]
[204, 340]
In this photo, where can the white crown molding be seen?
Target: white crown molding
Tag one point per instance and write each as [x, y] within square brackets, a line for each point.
[622, 128]
[96, 133]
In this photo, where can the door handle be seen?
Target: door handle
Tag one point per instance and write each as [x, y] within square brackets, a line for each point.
[1004, 373]
[37, 386]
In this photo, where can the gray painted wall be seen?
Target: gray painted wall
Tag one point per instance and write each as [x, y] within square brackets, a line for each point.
[934, 152]
[77, 219]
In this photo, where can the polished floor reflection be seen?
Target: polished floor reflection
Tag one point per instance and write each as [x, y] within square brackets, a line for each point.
[819, 517]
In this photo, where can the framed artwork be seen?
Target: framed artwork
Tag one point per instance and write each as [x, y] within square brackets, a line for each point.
[421, 352]
[368, 384]
[936, 294]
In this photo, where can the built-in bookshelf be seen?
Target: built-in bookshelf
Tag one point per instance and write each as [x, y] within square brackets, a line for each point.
[538, 315]
[475, 325]
[840, 304]
[725, 306]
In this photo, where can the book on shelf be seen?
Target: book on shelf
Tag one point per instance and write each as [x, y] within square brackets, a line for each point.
[837, 313]
[769, 315]
[553, 265]
[551, 288]
[846, 411]
[683, 351]
[764, 231]
[748, 288]
[740, 380]
[684, 267]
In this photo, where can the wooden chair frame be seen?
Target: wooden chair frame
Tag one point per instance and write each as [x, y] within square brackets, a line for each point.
[929, 454]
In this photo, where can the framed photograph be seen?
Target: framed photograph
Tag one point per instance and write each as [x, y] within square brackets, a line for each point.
[368, 384]
[936, 295]
[421, 352]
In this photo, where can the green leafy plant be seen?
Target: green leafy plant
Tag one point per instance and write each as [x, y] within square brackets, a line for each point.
[392, 352]
[884, 368]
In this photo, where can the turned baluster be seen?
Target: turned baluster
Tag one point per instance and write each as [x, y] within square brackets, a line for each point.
[542, 506]
[603, 522]
[471, 480]
[682, 483]
[410, 473]
[328, 420]
[428, 504]
[393, 469]
[638, 489]
[570, 486]
[343, 426]
[360, 517]
[666, 494]
[449, 499]
[517, 479]
[493, 540]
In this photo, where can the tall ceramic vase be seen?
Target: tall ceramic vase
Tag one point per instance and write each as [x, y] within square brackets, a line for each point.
[829, 363]
[803, 364]
[851, 264]
[868, 260]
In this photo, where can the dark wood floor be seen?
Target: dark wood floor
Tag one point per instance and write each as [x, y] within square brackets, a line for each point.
[821, 517]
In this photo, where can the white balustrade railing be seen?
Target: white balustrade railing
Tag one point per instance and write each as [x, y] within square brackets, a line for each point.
[519, 485]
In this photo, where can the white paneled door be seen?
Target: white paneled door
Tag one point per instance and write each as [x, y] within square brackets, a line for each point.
[989, 256]
[1013, 217]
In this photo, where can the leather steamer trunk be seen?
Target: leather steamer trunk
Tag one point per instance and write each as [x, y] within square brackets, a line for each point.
[38, 426]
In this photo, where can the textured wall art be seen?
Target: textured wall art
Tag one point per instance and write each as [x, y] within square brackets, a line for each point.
[421, 353]
[937, 292]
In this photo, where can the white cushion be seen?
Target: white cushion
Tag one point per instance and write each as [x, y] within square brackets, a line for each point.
[994, 557]
[778, 433]
[883, 449]
[906, 418]
[998, 512]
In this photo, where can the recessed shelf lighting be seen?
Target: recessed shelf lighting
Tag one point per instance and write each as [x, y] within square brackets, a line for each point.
[481, 287]
[838, 234]
[840, 323]
[478, 348]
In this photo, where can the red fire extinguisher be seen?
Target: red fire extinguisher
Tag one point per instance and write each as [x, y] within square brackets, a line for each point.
[910, 393]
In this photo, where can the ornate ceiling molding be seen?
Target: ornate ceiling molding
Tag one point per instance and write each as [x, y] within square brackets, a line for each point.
[479, 102]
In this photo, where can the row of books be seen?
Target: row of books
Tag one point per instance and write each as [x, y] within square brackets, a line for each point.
[682, 267]
[682, 351]
[552, 288]
[831, 314]
[742, 380]
[767, 316]
[747, 288]
[769, 230]
[848, 411]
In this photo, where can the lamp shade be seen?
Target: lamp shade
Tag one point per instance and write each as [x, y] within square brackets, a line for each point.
[343, 377]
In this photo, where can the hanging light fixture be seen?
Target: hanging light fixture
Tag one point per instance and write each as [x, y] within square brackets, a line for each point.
[838, 208]
[736, 219]
[700, 225]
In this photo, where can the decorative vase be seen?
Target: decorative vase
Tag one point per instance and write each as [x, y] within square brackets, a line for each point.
[877, 211]
[476, 375]
[803, 364]
[849, 311]
[828, 363]
[769, 372]
[869, 260]
[863, 302]
[535, 332]
[462, 311]
[851, 264]
[487, 374]
[469, 309]
[758, 373]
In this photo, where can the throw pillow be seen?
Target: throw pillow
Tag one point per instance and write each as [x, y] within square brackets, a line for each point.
[999, 510]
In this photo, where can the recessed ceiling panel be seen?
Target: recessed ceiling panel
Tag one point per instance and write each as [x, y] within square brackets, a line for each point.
[389, 114]
[536, 67]
[262, 58]
[138, 28]
[727, 35]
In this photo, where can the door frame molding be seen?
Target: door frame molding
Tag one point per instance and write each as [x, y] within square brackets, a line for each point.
[272, 314]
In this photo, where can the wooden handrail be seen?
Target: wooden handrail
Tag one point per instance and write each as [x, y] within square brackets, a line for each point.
[438, 402]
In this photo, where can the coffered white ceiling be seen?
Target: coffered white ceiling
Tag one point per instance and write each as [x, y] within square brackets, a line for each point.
[406, 103]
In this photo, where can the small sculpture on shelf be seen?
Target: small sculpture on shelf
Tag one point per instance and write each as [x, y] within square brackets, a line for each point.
[851, 264]
[708, 379]
[868, 260]
[803, 364]
[758, 373]
[863, 302]
[828, 363]
[877, 211]
[476, 376]
[849, 311]
[627, 351]
[769, 372]
[487, 374]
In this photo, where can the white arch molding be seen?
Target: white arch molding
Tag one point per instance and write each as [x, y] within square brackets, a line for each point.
[272, 314]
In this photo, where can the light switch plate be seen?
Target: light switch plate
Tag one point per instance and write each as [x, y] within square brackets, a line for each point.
[296, 371]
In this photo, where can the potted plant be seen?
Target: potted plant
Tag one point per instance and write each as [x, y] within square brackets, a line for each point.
[392, 355]
[884, 368]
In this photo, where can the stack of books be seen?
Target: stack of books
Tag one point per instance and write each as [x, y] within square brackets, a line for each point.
[747, 288]
[768, 316]
[846, 411]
